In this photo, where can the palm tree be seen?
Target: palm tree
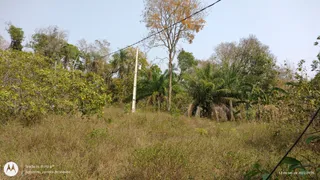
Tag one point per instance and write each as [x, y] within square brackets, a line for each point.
[204, 85]
[119, 63]
[153, 87]
[214, 84]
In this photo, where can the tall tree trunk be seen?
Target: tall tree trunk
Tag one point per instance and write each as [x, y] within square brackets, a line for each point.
[170, 81]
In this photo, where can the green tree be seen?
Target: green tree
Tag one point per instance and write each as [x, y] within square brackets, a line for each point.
[303, 95]
[257, 64]
[49, 42]
[206, 87]
[236, 72]
[31, 88]
[71, 55]
[52, 42]
[93, 54]
[160, 14]
[153, 87]
[186, 60]
[123, 65]
[17, 36]
[251, 59]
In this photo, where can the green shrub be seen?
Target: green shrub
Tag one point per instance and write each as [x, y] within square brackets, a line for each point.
[31, 88]
[202, 131]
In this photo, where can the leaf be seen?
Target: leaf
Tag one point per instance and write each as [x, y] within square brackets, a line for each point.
[250, 174]
[265, 176]
[312, 138]
[316, 43]
[296, 166]
[291, 161]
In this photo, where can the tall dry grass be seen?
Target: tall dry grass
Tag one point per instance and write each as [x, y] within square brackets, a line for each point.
[145, 146]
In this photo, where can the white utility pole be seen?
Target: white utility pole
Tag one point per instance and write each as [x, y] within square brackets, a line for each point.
[135, 84]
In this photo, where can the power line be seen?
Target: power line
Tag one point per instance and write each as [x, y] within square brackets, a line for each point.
[295, 143]
[160, 31]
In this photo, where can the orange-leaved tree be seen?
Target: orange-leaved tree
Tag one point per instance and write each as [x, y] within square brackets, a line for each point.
[163, 14]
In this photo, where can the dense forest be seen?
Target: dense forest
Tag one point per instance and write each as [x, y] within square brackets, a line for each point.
[240, 83]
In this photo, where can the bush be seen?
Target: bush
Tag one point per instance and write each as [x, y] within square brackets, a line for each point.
[31, 88]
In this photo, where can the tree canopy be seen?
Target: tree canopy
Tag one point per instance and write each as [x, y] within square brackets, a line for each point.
[17, 36]
[163, 14]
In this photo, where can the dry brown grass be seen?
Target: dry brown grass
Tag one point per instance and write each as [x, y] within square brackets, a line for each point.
[145, 146]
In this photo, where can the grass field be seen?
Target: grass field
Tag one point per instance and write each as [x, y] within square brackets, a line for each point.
[146, 146]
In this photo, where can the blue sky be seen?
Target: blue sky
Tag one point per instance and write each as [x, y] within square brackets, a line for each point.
[288, 27]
